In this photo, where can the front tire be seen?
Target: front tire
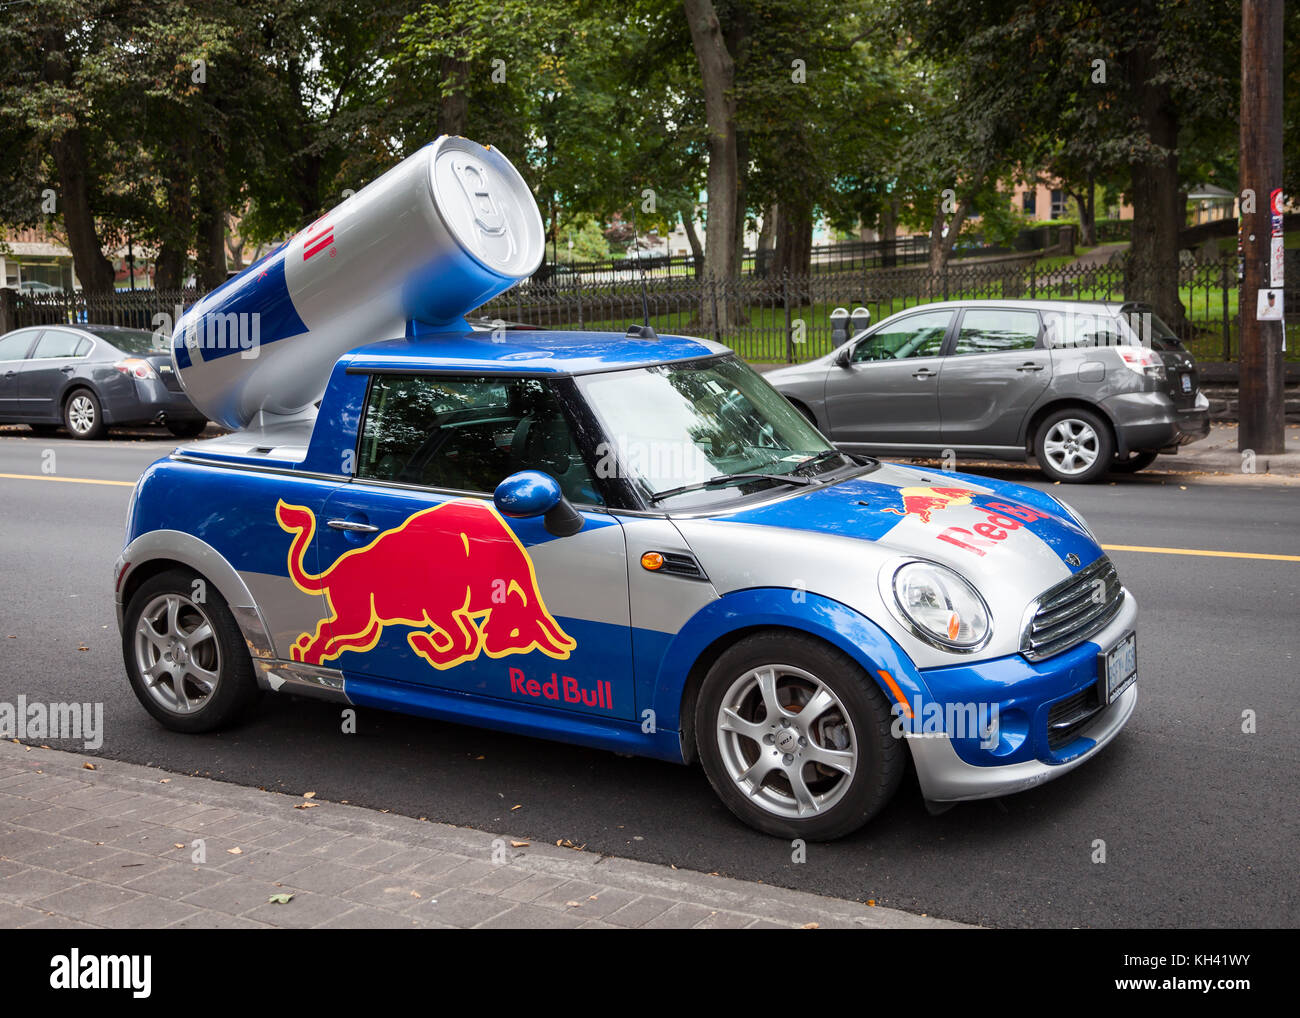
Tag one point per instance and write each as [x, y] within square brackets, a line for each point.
[83, 416]
[185, 656]
[795, 737]
[1074, 446]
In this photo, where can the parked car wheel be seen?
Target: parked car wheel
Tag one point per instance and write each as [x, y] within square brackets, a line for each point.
[186, 429]
[1136, 461]
[1074, 446]
[795, 737]
[186, 659]
[83, 416]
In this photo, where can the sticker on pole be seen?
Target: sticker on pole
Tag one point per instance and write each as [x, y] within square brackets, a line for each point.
[1269, 308]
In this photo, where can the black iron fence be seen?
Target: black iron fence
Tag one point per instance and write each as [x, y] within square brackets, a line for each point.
[787, 319]
[765, 319]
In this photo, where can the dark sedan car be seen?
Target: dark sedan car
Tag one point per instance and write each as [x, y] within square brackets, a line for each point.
[89, 378]
[1083, 387]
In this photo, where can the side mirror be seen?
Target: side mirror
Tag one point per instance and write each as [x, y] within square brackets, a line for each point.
[531, 493]
[843, 356]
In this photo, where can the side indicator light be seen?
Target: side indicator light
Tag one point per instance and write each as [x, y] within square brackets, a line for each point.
[652, 561]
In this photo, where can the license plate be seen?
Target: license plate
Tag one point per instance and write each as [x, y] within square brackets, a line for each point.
[1187, 383]
[1119, 666]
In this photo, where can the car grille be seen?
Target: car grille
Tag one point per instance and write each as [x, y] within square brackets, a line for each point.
[1069, 717]
[1073, 610]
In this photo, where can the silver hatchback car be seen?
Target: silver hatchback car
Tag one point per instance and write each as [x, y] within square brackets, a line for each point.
[1083, 387]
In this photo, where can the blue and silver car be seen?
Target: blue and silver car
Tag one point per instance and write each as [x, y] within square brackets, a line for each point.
[624, 541]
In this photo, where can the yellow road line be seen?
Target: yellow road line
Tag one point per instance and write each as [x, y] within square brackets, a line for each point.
[67, 480]
[1195, 551]
[1206, 553]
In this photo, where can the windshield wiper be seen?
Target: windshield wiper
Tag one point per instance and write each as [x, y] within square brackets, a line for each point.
[723, 480]
[813, 460]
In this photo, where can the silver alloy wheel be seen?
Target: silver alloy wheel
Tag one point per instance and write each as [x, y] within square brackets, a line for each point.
[1071, 445]
[81, 413]
[177, 653]
[786, 740]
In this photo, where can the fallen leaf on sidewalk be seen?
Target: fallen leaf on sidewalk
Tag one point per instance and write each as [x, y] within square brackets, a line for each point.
[164, 781]
[88, 766]
[178, 845]
[573, 904]
[518, 844]
[280, 899]
[235, 851]
[307, 805]
[518, 806]
[810, 926]
[309, 795]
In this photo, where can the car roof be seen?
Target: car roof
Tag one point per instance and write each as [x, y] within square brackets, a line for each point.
[532, 351]
[1110, 307]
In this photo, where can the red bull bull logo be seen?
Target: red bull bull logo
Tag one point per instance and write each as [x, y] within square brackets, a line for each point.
[454, 573]
[923, 500]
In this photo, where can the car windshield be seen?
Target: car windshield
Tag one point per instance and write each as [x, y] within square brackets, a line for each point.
[129, 340]
[695, 432]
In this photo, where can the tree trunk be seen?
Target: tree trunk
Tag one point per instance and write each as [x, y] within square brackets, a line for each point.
[941, 246]
[453, 109]
[693, 239]
[888, 233]
[766, 241]
[73, 165]
[210, 260]
[717, 75]
[794, 243]
[1151, 271]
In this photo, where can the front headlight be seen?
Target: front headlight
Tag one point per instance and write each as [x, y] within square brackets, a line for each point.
[942, 607]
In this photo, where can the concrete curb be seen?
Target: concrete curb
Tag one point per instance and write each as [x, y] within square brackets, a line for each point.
[98, 848]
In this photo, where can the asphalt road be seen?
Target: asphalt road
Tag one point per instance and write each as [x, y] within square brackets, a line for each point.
[1198, 818]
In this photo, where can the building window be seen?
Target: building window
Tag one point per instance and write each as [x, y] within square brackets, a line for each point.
[1058, 203]
[1029, 202]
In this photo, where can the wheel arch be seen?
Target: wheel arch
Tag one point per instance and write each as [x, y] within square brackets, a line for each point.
[160, 550]
[1035, 420]
[712, 631]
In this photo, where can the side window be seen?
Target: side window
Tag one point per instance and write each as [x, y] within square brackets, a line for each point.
[995, 330]
[13, 347]
[57, 344]
[914, 336]
[1070, 331]
[469, 434]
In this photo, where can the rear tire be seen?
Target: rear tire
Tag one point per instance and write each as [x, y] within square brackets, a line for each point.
[780, 768]
[185, 656]
[83, 416]
[1136, 461]
[1074, 446]
[186, 429]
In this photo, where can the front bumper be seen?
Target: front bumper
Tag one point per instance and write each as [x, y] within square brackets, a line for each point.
[945, 776]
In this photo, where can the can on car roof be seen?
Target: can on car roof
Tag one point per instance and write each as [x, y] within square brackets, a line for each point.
[448, 228]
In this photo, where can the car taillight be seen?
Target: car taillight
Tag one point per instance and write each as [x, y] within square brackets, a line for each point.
[135, 366]
[1143, 361]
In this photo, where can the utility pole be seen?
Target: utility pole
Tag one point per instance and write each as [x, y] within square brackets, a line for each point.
[1259, 358]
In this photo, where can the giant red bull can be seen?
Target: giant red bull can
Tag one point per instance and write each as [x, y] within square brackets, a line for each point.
[437, 235]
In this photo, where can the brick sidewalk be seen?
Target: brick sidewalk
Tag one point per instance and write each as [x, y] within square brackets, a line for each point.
[114, 847]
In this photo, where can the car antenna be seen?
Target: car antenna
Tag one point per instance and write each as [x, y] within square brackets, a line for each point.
[645, 331]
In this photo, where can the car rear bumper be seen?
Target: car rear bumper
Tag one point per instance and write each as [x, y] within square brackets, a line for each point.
[946, 777]
[1149, 420]
[149, 401]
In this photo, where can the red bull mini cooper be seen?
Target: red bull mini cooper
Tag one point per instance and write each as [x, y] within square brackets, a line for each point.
[630, 542]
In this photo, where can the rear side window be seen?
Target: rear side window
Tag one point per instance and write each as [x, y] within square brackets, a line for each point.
[58, 344]
[469, 434]
[14, 346]
[1076, 330]
[994, 330]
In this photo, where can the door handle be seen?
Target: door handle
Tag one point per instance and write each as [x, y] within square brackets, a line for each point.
[359, 528]
[67, 369]
[10, 374]
[1030, 366]
[924, 373]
